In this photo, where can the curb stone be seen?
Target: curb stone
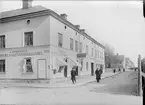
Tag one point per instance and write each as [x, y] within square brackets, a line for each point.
[71, 85]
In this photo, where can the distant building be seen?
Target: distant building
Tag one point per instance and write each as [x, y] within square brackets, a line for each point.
[37, 43]
[118, 61]
[129, 63]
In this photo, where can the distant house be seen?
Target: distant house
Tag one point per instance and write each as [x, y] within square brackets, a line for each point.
[118, 61]
[129, 63]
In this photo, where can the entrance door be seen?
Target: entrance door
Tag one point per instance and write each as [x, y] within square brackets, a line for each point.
[65, 71]
[76, 70]
[92, 69]
[42, 69]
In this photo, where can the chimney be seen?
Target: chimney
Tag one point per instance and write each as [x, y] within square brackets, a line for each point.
[63, 15]
[82, 30]
[27, 4]
[78, 26]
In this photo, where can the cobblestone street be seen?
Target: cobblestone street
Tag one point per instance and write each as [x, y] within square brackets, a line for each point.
[122, 85]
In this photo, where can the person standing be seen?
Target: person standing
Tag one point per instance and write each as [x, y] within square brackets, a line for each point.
[114, 71]
[73, 74]
[123, 69]
[97, 75]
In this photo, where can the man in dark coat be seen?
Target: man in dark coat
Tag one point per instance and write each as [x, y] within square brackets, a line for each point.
[114, 71]
[119, 70]
[73, 74]
[97, 75]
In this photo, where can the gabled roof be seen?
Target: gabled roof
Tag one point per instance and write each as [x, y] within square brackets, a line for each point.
[34, 11]
[22, 11]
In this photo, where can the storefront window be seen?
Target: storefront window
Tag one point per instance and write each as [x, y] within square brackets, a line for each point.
[29, 65]
[2, 66]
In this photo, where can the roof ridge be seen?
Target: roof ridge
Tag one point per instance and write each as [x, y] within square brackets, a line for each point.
[22, 8]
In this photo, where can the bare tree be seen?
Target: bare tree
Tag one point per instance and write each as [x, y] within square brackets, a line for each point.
[109, 55]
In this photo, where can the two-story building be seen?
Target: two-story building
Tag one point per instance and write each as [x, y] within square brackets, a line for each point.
[37, 43]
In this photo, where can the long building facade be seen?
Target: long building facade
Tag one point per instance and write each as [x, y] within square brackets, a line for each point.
[37, 43]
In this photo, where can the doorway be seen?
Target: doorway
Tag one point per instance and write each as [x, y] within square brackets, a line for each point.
[42, 69]
[65, 71]
[76, 70]
[92, 69]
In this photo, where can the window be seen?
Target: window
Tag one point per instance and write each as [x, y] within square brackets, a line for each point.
[28, 65]
[2, 41]
[28, 38]
[82, 65]
[87, 49]
[80, 47]
[60, 39]
[65, 27]
[76, 46]
[87, 66]
[2, 66]
[71, 43]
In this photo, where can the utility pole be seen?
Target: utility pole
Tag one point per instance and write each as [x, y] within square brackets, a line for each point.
[139, 76]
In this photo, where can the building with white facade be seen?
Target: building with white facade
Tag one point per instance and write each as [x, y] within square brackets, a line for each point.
[37, 43]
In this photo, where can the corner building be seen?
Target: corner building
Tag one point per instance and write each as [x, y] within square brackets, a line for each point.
[37, 43]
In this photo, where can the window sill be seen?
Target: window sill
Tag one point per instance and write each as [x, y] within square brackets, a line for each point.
[28, 73]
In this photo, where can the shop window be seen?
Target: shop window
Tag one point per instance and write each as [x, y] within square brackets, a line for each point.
[60, 39]
[2, 41]
[28, 38]
[28, 65]
[2, 66]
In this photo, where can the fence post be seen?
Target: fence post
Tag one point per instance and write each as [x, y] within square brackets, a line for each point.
[139, 76]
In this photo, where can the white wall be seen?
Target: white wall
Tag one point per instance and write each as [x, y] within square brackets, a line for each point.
[59, 27]
[14, 31]
[13, 70]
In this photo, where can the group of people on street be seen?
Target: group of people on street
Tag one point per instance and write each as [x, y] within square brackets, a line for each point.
[119, 70]
[98, 73]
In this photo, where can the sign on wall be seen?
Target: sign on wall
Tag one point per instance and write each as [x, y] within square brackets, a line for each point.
[21, 54]
[81, 55]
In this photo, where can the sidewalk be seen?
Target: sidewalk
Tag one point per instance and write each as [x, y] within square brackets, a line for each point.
[68, 83]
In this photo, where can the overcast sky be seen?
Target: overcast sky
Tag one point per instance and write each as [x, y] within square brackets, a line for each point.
[120, 24]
